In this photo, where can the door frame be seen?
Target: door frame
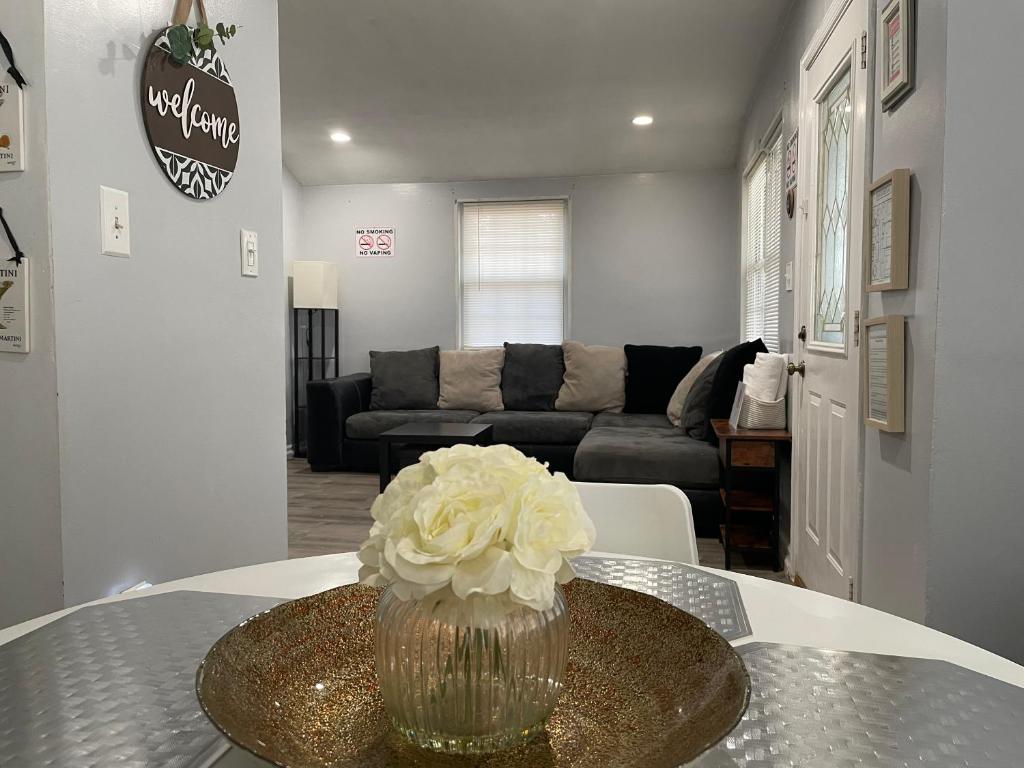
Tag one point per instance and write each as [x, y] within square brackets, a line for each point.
[802, 306]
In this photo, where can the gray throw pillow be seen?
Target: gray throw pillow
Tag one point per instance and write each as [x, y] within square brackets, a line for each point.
[404, 379]
[694, 420]
[531, 376]
[675, 405]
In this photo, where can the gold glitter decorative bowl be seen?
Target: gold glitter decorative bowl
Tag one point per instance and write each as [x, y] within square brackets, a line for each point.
[647, 685]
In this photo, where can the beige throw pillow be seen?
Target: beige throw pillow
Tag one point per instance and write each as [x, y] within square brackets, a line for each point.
[595, 378]
[678, 399]
[471, 379]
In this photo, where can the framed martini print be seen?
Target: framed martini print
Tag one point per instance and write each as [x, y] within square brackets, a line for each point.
[884, 373]
[887, 233]
[896, 37]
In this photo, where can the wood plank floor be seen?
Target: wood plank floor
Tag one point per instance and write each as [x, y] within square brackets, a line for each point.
[330, 512]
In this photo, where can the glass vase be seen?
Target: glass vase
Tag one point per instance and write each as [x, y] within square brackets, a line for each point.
[470, 676]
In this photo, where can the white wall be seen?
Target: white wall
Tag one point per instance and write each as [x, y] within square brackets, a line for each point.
[896, 467]
[976, 529]
[654, 258]
[172, 431]
[30, 547]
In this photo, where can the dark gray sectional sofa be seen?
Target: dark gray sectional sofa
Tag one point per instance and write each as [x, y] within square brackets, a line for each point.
[603, 447]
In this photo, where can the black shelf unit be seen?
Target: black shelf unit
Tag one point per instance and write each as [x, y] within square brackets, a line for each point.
[314, 357]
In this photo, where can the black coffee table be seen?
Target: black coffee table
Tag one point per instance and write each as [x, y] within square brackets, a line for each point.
[434, 434]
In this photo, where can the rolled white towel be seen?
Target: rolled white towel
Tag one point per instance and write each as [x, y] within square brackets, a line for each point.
[778, 363]
[760, 381]
[765, 376]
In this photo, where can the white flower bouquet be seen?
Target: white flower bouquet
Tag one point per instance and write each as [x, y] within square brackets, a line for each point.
[476, 521]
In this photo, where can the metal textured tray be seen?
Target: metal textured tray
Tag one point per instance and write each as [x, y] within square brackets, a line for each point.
[114, 684]
[812, 707]
[297, 686]
[713, 599]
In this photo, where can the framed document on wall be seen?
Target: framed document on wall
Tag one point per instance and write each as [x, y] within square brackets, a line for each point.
[884, 373]
[896, 39]
[887, 233]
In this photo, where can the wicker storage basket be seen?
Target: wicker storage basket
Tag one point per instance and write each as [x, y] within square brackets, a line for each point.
[761, 414]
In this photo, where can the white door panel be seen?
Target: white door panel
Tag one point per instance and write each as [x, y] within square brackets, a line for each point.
[835, 104]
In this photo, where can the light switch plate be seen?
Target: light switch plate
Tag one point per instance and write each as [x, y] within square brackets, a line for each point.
[115, 223]
[789, 275]
[250, 254]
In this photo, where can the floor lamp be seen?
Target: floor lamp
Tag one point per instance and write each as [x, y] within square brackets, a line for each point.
[315, 341]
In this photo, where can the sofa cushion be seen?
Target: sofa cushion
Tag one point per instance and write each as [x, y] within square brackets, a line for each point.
[404, 379]
[539, 427]
[653, 373]
[678, 399]
[369, 424]
[727, 376]
[646, 455]
[620, 420]
[694, 419]
[595, 378]
[531, 376]
[471, 379]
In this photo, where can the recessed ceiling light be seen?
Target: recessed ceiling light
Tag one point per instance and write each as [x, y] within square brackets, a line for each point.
[643, 120]
[340, 137]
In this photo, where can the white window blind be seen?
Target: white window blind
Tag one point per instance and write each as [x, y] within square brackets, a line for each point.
[763, 248]
[512, 272]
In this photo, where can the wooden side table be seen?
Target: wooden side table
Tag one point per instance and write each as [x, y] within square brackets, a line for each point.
[429, 435]
[749, 461]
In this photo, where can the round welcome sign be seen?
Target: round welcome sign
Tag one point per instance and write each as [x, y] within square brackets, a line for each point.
[191, 118]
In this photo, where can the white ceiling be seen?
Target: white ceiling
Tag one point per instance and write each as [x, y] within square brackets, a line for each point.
[444, 90]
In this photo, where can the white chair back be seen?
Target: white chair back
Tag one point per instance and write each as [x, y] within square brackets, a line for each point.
[644, 520]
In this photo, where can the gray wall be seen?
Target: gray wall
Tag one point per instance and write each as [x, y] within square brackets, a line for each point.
[779, 90]
[171, 398]
[896, 558]
[654, 258]
[896, 467]
[30, 548]
[291, 215]
[976, 529]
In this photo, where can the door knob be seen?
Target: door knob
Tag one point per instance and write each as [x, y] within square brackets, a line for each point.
[802, 335]
[795, 368]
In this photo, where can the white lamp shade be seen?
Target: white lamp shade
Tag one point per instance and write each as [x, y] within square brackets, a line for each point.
[314, 285]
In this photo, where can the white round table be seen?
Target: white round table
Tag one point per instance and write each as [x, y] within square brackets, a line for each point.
[778, 613]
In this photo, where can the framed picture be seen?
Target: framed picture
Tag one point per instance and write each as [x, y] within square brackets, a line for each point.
[884, 373]
[896, 43]
[12, 125]
[887, 233]
[14, 307]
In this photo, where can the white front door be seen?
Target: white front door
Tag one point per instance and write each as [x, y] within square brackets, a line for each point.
[834, 116]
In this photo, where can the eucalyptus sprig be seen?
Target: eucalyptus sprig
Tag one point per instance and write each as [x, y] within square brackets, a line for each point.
[183, 40]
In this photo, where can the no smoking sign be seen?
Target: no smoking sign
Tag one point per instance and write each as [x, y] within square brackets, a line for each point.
[375, 242]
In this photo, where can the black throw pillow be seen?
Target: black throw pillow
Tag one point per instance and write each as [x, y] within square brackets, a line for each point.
[727, 378]
[531, 376]
[403, 380]
[653, 373]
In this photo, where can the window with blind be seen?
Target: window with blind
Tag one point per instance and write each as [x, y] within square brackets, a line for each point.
[512, 272]
[762, 248]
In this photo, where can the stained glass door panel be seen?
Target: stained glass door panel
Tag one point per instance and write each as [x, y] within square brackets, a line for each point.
[833, 213]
